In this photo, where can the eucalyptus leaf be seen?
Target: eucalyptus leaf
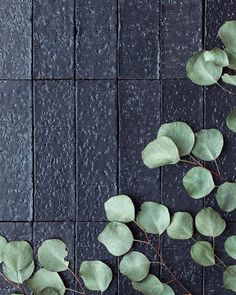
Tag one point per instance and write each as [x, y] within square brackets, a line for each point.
[231, 121]
[96, 275]
[18, 276]
[149, 286]
[167, 290]
[208, 144]
[117, 238]
[228, 36]
[181, 134]
[217, 56]
[232, 59]
[202, 253]
[181, 226]
[229, 278]
[209, 222]
[135, 266]
[49, 291]
[160, 152]
[153, 217]
[230, 246]
[3, 243]
[120, 208]
[226, 196]
[51, 255]
[229, 79]
[198, 182]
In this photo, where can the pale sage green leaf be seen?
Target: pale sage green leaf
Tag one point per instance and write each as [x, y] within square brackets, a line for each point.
[117, 238]
[229, 79]
[208, 144]
[96, 275]
[46, 279]
[228, 36]
[198, 182]
[151, 285]
[217, 56]
[230, 246]
[209, 222]
[153, 217]
[160, 152]
[3, 243]
[181, 227]
[231, 121]
[202, 72]
[49, 291]
[18, 276]
[226, 196]
[135, 266]
[232, 59]
[120, 208]
[51, 255]
[167, 290]
[229, 278]
[181, 134]
[17, 255]
[202, 253]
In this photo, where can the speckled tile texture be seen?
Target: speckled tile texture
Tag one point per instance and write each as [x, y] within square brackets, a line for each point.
[84, 86]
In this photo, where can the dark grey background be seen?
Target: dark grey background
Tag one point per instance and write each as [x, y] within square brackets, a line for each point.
[84, 86]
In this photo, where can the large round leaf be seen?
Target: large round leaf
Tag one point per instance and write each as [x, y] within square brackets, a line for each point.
[46, 279]
[232, 59]
[96, 275]
[153, 217]
[49, 291]
[160, 152]
[120, 208]
[202, 72]
[209, 222]
[18, 276]
[208, 144]
[229, 278]
[230, 246]
[228, 36]
[51, 255]
[231, 121]
[181, 134]
[198, 182]
[149, 286]
[17, 255]
[167, 290]
[229, 79]
[226, 196]
[181, 226]
[135, 266]
[202, 253]
[3, 243]
[117, 238]
[217, 56]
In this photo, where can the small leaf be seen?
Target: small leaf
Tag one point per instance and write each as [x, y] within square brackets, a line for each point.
[231, 121]
[198, 182]
[209, 222]
[229, 79]
[181, 134]
[202, 253]
[3, 243]
[149, 286]
[49, 291]
[181, 226]
[208, 144]
[217, 56]
[232, 59]
[230, 246]
[96, 275]
[120, 208]
[227, 35]
[135, 266]
[153, 217]
[117, 238]
[160, 152]
[226, 196]
[167, 290]
[229, 278]
[51, 255]
[18, 276]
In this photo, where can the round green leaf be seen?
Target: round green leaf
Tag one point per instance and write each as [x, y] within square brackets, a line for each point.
[160, 152]
[229, 79]
[167, 290]
[226, 196]
[96, 275]
[228, 36]
[232, 59]
[153, 217]
[230, 246]
[17, 255]
[202, 72]
[120, 208]
[49, 291]
[3, 243]
[135, 266]
[229, 278]
[149, 286]
[51, 255]
[202, 253]
[231, 121]
[46, 279]
[208, 144]
[117, 238]
[18, 276]
[198, 182]
[181, 226]
[181, 134]
[217, 56]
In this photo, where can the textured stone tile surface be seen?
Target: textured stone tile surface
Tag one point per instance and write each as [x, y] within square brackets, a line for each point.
[16, 151]
[96, 39]
[53, 38]
[16, 36]
[97, 147]
[139, 39]
[54, 150]
[181, 35]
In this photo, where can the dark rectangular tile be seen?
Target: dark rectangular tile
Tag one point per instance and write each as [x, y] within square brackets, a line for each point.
[54, 150]
[16, 151]
[96, 40]
[16, 36]
[97, 147]
[139, 39]
[53, 39]
[181, 35]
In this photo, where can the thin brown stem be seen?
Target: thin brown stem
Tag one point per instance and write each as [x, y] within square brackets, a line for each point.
[14, 285]
[195, 160]
[75, 291]
[78, 280]
[225, 89]
[143, 230]
[217, 167]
